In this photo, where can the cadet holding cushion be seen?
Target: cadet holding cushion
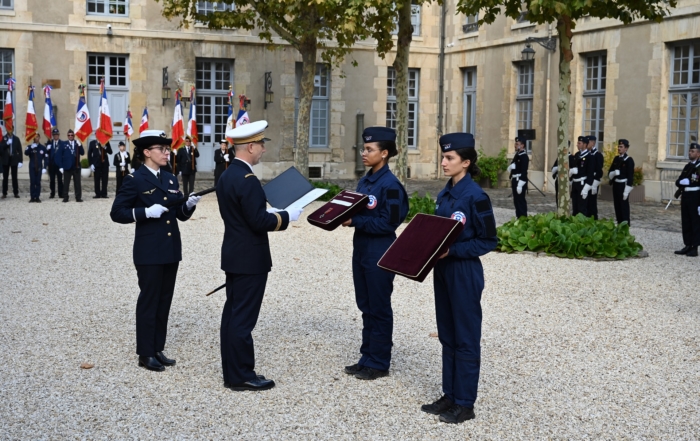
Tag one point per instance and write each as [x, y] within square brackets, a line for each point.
[157, 244]
[458, 279]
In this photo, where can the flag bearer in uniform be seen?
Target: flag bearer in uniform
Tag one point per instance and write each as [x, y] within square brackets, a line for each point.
[518, 176]
[38, 158]
[222, 158]
[375, 230]
[621, 176]
[245, 255]
[458, 279]
[52, 146]
[689, 184]
[99, 163]
[122, 162]
[187, 164]
[68, 161]
[157, 245]
[582, 178]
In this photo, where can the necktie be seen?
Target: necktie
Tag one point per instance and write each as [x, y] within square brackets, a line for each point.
[158, 176]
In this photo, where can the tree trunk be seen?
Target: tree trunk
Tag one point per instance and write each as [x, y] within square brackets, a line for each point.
[308, 50]
[405, 35]
[565, 57]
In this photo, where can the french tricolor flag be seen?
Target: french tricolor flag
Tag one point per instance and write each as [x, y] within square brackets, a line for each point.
[144, 121]
[31, 125]
[8, 112]
[192, 122]
[104, 131]
[49, 117]
[128, 126]
[83, 125]
[178, 125]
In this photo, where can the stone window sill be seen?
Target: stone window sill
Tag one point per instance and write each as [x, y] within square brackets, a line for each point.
[107, 19]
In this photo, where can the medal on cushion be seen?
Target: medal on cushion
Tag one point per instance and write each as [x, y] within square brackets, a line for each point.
[325, 213]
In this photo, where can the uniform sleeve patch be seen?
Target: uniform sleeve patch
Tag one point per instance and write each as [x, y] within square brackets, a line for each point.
[392, 194]
[490, 225]
[394, 216]
[483, 206]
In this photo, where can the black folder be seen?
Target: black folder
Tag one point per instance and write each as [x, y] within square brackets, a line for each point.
[291, 188]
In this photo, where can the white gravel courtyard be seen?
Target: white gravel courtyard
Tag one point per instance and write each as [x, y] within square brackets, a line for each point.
[612, 352]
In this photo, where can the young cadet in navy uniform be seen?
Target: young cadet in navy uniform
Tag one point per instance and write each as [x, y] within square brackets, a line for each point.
[458, 279]
[555, 173]
[99, 164]
[518, 176]
[581, 177]
[621, 176]
[689, 183]
[375, 230]
[37, 167]
[157, 244]
[245, 255]
[68, 161]
[11, 151]
[222, 159]
[598, 161]
[122, 162]
[52, 146]
[187, 164]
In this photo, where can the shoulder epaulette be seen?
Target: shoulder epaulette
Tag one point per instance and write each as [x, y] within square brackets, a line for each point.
[249, 175]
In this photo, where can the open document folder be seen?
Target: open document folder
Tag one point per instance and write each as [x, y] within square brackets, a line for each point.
[291, 189]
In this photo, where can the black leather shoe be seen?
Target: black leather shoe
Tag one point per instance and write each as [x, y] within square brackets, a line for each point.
[78, 200]
[52, 196]
[165, 361]
[17, 196]
[439, 406]
[352, 370]
[457, 414]
[31, 201]
[684, 250]
[255, 385]
[96, 197]
[151, 364]
[693, 252]
[65, 199]
[368, 373]
[38, 200]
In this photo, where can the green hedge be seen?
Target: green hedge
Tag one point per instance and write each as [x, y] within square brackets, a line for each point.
[417, 204]
[569, 236]
[332, 190]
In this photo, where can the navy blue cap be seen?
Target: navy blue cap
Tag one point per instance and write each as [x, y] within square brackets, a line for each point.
[55, 132]
[624, 142]
[376, 134]
[592, 138]
[694, 145]
[122, 143]
[521, 139]
[583, 138]
[456, 141]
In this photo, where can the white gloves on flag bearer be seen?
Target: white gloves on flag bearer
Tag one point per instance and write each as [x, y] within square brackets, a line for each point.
[521, 184]
[92, 167]
[586, 189]
[43, 171]
[226, 157]
[613, 173]
[594, 189]
[684, 181]
[626, 193]
[511, 166]
[155, 211]
[573, 171]
[19, 165]
[192, 201]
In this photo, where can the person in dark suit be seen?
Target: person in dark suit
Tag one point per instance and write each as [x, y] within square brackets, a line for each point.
[157, 246]
[597, 162]
[11, 150]
[122, 162]
[68, 161]
[222, 159]
[245, 255]
[621, 175]
[187, 164]
[518, 176]
[688, 184]
[98, 156]
[37, 167]
[52, 146]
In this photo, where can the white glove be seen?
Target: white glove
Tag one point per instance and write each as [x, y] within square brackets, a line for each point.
[294, 213]
[226, 157]
[48, 147]
[627, 192]
[179, 173]
[684, 181]
[511, 166]
[19, 165]
[43, 171]
[273, 210]
[92, 167]
[573, 171]
[131, 171]
[192, 201]
[586, 189]
[698, 210]
[61, 170]
[521, 184]
[555, 169]
[156, 211]
[122, 163]
[594, 189]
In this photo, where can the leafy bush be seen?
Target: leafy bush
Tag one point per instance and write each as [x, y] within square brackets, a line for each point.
[332, 190]
[417, 204]
[491, 166]
[568, 236]
[84, 163]
[638, 178]
[609, 153]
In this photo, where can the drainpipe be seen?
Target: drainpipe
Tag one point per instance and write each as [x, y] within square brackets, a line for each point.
[359, 143]
[546, 116]
[441, 85]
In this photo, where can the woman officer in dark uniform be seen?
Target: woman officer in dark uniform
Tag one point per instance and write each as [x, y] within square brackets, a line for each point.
[375, 228]
[459, 279]
[157, 244]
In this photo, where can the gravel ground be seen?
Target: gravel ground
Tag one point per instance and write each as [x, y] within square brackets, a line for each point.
[611, 353]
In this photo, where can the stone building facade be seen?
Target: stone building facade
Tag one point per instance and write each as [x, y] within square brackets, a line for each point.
[640, 82]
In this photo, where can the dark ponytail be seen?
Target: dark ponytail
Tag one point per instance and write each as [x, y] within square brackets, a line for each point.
[471, 155]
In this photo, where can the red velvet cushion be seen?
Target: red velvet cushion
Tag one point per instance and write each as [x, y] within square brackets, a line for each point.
[416, 251]
[339, 209]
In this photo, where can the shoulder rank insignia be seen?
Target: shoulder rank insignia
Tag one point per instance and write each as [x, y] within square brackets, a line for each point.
[249, 175]
[149, 191]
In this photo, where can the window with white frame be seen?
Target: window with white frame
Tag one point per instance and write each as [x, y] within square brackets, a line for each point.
[415, 20]
[684, 99]
[391, 104]
[7, 4]
[469, 113]
[471, 24]
[594, 96]
[524, 96]
[112, 67]
[319, 128]
[107, 7]
[209, 7]
[6, 68]
[213, 78]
